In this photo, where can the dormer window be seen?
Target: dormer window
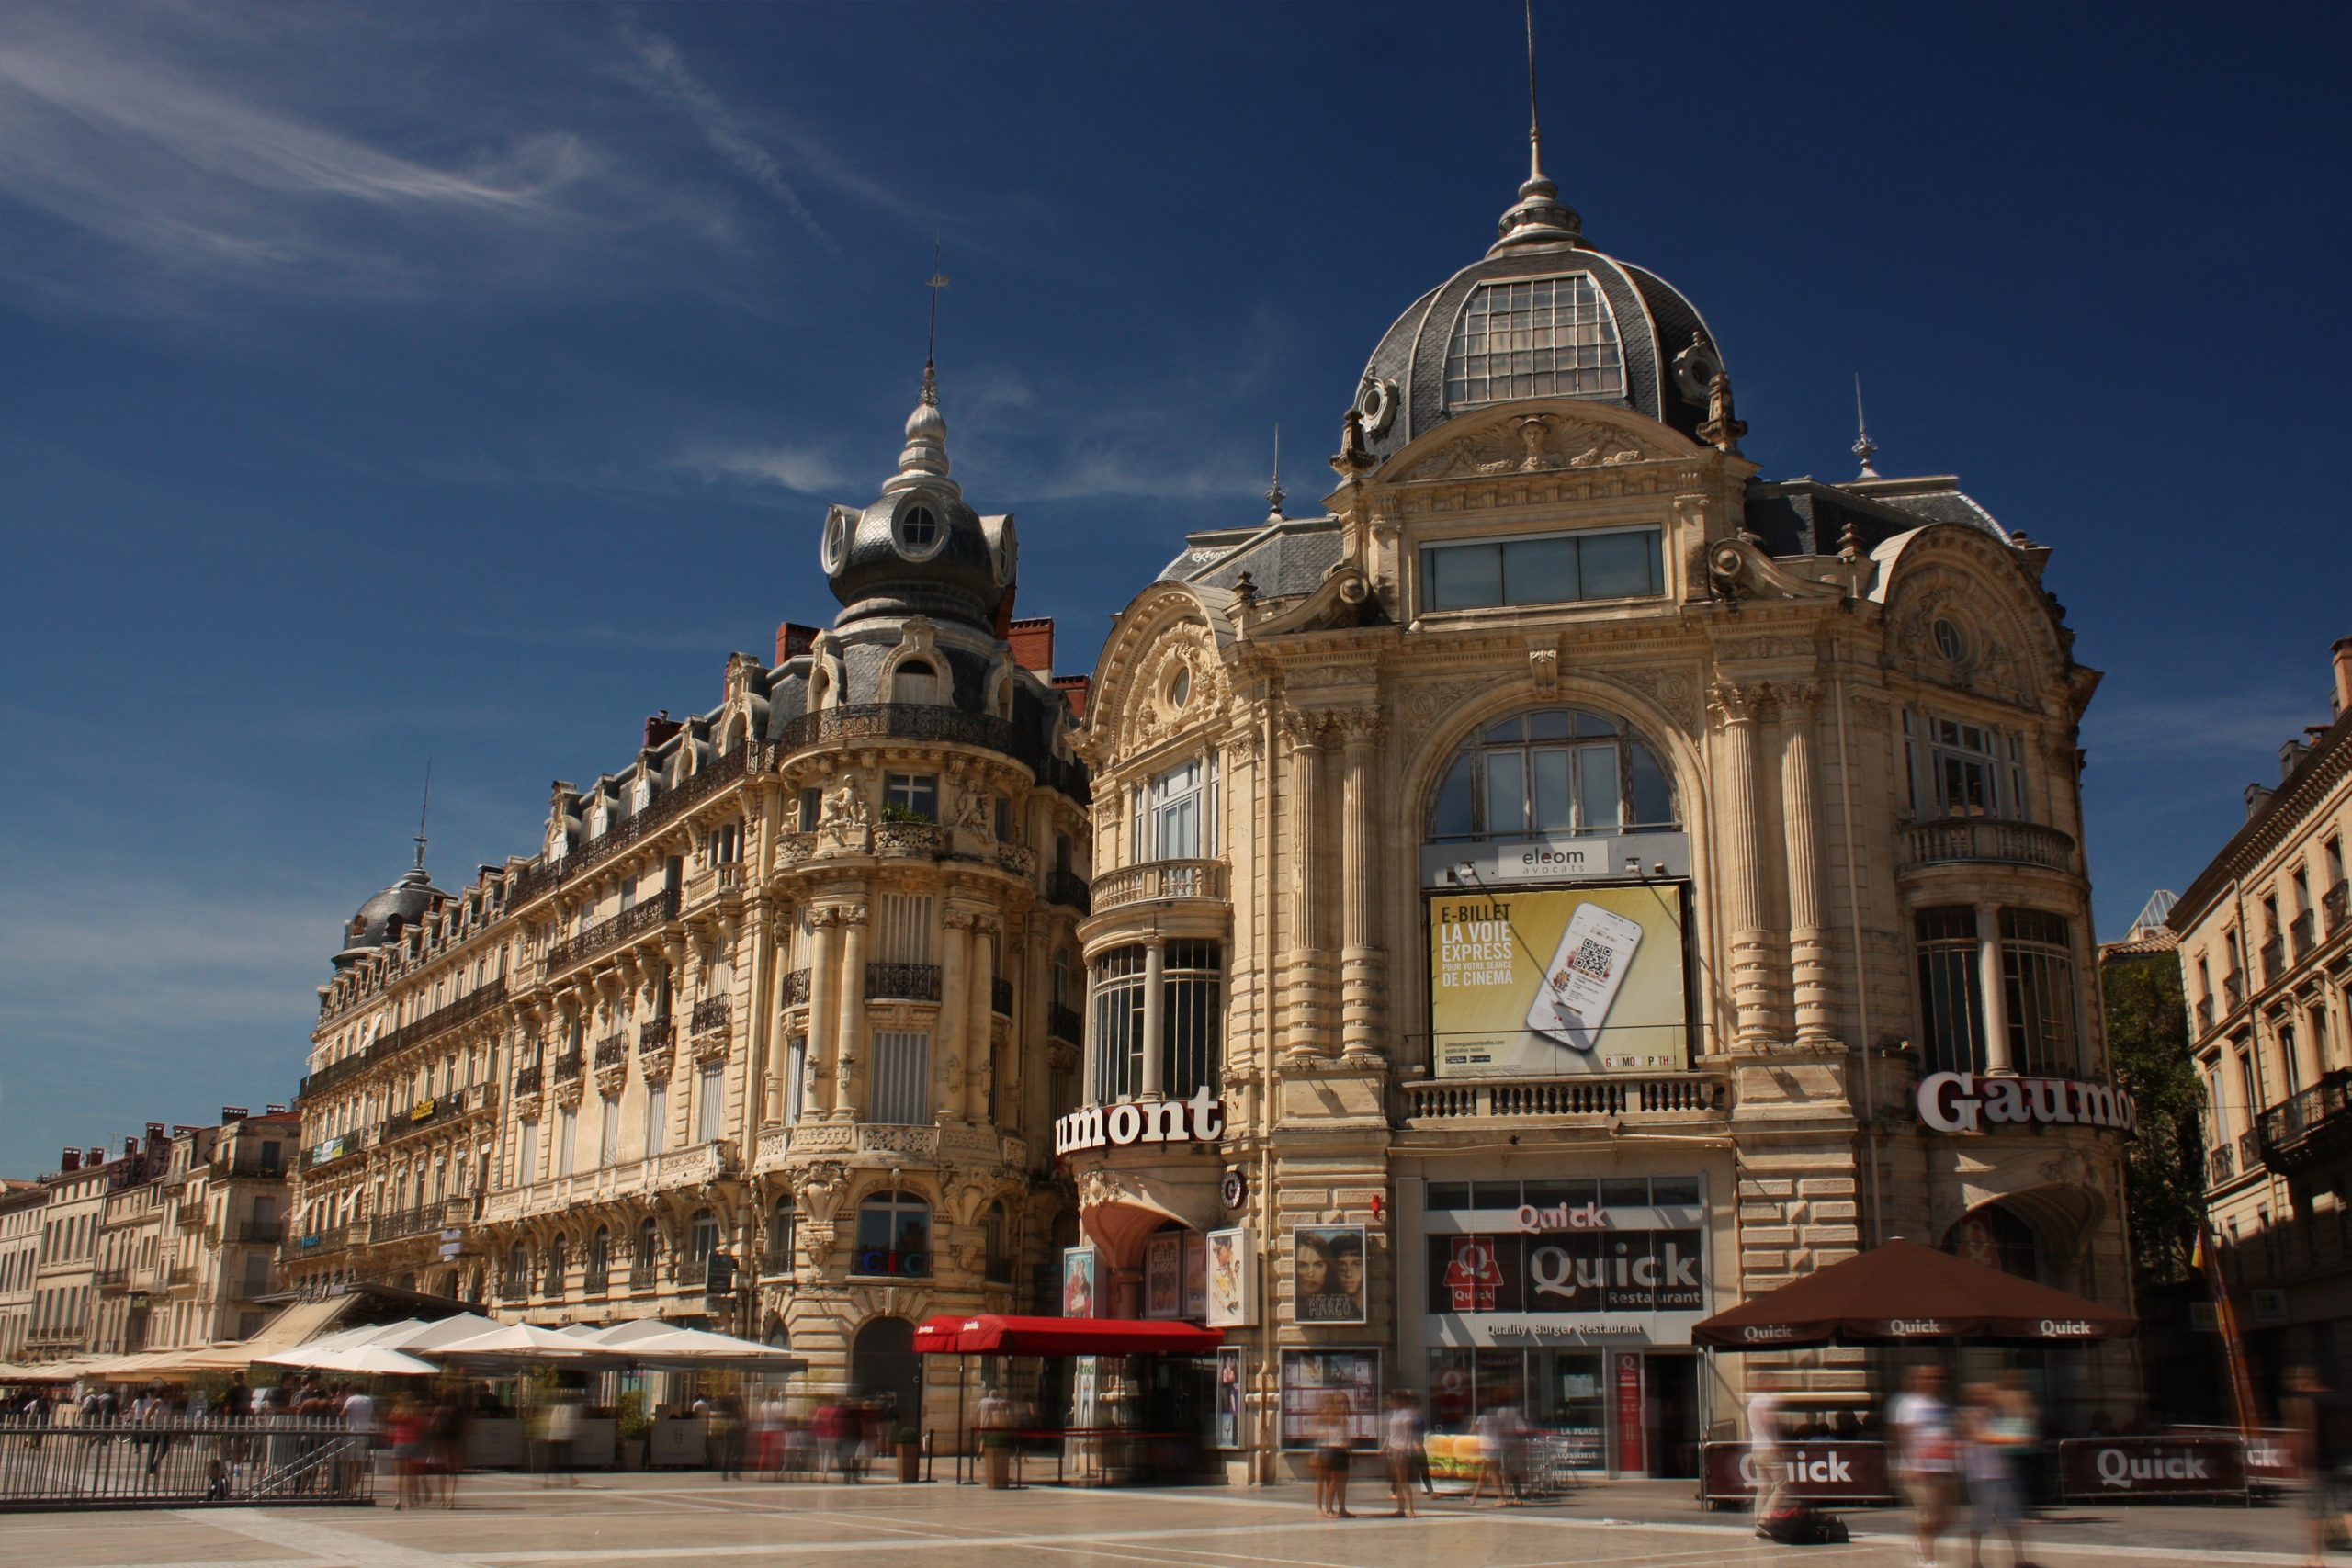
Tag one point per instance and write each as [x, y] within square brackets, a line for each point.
[916, 680]
[1537, 337]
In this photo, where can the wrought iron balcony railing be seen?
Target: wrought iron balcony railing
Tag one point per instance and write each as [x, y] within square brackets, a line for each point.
[526, 1079]
[868, 722]
[2221, 1164]
[795, 988]
[2309, 1125]
[711, 1013]
[2336, 902]
[568, 1067]
[606, 935]
[1066, 1023]
[441, 1020]
[2273, 960]
[612, 1051]
[1069, 890]
[902, 982]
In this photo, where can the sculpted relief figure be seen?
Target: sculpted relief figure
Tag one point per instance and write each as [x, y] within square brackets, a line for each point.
[843, 822]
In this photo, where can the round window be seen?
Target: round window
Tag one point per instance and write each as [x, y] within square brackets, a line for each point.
[917, 530]
[836, 538]
[1948, 642]
[1180, 690]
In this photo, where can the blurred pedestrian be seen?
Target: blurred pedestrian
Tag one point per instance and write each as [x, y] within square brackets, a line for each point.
[1400, 1445]
[1920, 1426]
[1334, 1446]
[1988, 1438]
[2306, 1409]
[1767, 1442]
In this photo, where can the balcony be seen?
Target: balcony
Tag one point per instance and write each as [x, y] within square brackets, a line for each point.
[2249, 1151]
[514, 1287]
[180, 1276]
[249, 1168]
[597, 1282]
[691, 1166]
[714, 1014]
[2221, 1166]
[693, 1270]
[427, 1114]
[1983, 841]
[2336, 902]
[2204, 1015]
[1159, 880]
[916, 839]
[659, 813]
[426, 1219]
[776, 1266]
[527, 1079]
[795, 989]
[112, 1280]
[1553, 1099]
[716, 883]
[641, 1276]
[260, 1233]
[2232, 992]
[2303, 934]
[318, 1244]
[569, 1067]
[612, 1051]
[1066, 1023]
[1069, 890]
[473, 1005]
[606, 935]
[902, 982]
[2309, 1126]
[2274, 959]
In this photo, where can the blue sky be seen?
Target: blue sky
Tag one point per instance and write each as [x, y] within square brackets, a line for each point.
[464, 382]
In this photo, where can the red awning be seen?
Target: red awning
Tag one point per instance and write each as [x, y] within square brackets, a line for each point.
[992, 1334]
[1901, 1292]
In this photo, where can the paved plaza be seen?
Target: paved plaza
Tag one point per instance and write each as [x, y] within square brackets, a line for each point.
[683, 1519]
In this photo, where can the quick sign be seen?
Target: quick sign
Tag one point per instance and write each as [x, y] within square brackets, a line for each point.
[1827, 1472]
[1965, 1102]
[1582, 1271]
[2152, 1467]
[1198, 1119]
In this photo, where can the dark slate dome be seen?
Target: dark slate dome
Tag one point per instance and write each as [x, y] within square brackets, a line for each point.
[1540, 314]
[393, 910]
[920, 549]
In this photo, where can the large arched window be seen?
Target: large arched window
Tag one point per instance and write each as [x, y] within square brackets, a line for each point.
[1536, 337]
[600, 1259]
[648, 1247]
[893, 1236]
[784, 1226]
[1552, 773]
[559, 1264]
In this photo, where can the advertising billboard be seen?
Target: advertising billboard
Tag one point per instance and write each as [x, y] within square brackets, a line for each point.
[1558, 982]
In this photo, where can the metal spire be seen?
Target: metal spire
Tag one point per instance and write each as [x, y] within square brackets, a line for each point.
[422, 811]
[1274, 493]
[1534, 122]
[1539, 217]
[937, 281]
[1864, 448]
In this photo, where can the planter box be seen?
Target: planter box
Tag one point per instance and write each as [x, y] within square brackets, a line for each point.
[495, 1442]
[679, 1442]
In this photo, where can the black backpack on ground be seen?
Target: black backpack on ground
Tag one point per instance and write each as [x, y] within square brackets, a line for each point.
[1801, 1524]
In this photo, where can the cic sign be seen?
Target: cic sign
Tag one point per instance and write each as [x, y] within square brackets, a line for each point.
[1966, 1102]
[1198, 1119]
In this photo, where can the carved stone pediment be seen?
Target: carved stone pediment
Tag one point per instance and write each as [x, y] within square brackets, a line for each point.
[1533, 444]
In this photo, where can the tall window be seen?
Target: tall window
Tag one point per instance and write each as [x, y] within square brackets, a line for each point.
[710, 1101]
[600, 1258]
[608, 1131]
[795, 1077]
[702, 1240]
[910, 798]
[902, 1077]
[915, 681]
[2037, 972]
[1950, 1016]
[995, 1246]
[1175, 811]
[1964, 769]
[1551, 568]
[526, 1152]
[567, 1131]
[893, 1236]
[557, 1266]
[903, 934]
[1118, 1024]
[1555, 771]
[657, 1117]
[784, 1226]
[1538, 337]
[1191, 1007]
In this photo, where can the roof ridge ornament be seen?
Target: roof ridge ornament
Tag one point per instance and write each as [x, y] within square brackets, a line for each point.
[924, 460]
[1863, 447]
[1539, 217]
[1274, 493]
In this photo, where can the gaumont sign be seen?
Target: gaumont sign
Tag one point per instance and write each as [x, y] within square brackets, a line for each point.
[2152, 1467]
[1826, 1473]
[1200, 1120]
[1966, 1102]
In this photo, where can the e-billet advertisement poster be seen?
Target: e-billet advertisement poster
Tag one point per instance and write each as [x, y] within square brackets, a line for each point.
[1559, 981]
[1078, 1281]
[1232, 1282]
[1232, 1392]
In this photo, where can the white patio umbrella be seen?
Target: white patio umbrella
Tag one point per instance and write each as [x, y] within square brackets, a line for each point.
[361, 1359]
[519, 1344]
[683, 1349]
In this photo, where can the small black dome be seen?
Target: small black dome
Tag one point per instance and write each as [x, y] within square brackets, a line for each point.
[920, 549]
[405, 902]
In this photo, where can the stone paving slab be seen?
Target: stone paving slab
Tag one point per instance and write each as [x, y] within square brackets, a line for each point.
[507, 1522]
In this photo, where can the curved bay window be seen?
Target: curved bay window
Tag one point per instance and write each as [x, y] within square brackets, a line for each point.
[1953, 1039]
[1554, 772]
[1158, 1021]
[2032, 1025]
[894, 1236]
[2037, 972]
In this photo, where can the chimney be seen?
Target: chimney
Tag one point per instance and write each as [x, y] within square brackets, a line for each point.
[659, 728]
[2256, 798]
[2289, 755]
[2343, 655]
[232, 1113]
[1076, 689]
[1032, 645]
[130, 1147]
[277, 1111]
[792, 640]
[91, 1158]
[69, 1162]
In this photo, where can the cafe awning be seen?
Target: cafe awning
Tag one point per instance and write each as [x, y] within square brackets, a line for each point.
[1901, 1292]
[992, 1334]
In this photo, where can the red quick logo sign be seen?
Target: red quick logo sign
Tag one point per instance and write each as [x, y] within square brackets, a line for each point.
[1964, 1102]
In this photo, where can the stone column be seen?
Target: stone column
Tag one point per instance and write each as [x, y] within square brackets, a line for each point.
[979, 1033]
[1360, 968]
[1741, 843]
[1304, 979]
[954, 1014]
[1993, 995]
[1155, 1032]
[849, 1037]
[823, 959]
[1809, 931]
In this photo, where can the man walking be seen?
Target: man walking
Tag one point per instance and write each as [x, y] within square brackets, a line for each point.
[1920, 1426]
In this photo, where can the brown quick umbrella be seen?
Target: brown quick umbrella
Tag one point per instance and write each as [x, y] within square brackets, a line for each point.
[1901, 1292]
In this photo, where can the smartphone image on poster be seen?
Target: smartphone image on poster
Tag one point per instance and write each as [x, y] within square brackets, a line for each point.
[1581, 982]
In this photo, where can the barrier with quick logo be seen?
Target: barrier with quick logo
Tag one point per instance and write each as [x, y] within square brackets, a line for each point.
[1818, 1472]
[2120, 1468]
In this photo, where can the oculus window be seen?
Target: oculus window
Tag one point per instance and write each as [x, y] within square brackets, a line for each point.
[1550, 774]
[1554, 569]
[1537, 337]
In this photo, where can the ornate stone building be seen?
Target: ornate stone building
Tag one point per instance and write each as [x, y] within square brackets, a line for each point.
[1574, 883]
[768, 1032]
[2266, 950]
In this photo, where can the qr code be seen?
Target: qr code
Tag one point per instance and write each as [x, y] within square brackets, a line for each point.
[1593, 959]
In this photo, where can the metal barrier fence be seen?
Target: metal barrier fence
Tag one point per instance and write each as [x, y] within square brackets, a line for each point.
[179, 1460]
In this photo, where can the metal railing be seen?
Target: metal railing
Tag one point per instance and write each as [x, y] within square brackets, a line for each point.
[795, 989]
[2273, 960]
[2250, 1151]
[1983, 838]
[1069, 890]
[713, 1013]
[180, 1459]
[641, 1276]
[2233, 991]
[1158, 879]
[2204, 1015]
[527, 1079]
[473, 1004]
[2336, 902]
[2304, 933]
[2294, 1122]
[902, 982]
[612, 1051]
[266, 1233]
[2221, 1164]
[1066, 1023]
[1561, 1097]
[926, 722]
[113, 1279]
[606, 935]
[569, 1067]
[447, 1215]
[658, 812]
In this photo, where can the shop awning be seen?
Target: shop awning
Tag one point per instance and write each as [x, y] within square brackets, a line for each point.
[992, 1334]
[1901, 1292]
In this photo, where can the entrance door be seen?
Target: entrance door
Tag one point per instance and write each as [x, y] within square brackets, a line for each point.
[883, 1365]
[1670, 1414]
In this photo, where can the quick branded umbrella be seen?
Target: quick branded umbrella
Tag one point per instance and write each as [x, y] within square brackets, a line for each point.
[1901, 1292]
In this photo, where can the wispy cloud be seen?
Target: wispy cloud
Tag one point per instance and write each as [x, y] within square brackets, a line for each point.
[2214, 725]
[804, 470]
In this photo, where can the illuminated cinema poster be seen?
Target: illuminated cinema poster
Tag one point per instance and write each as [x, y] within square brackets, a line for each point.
[1558, 982]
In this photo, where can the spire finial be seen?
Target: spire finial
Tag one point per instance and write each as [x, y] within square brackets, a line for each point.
[1539, 217]
[925, 459]
[1274, 493]
[424, 810]
[1534, 122]
[1864, 448]
[937, 281]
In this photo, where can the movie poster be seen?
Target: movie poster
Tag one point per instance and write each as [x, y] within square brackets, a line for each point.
[1232, 1392]
[1196, 1276]
[1232, 1282]
[1327, 1274]
[1078, 1281]
[1558, 982]
[1163, 1274]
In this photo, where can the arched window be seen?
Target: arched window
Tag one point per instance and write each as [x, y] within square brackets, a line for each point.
[517, 1282]
[784, 1228]
[559, 1264]
[702, 1240]
[600, 1258]
[997, 1248]
[1552, 773]
[1536, 337]
[915, 680]
[648, 1247]
[894, 1236]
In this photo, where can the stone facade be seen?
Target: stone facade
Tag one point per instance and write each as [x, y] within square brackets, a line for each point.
[2266, 950]
[1858, 703]
[765, 1035]
[22, 1205]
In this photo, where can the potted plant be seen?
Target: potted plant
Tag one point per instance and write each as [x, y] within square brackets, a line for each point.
[909, 1454]
[996, 1454]
[635, 1426]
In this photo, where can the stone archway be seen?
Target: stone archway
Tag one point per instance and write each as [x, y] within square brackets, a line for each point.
[883, 1365]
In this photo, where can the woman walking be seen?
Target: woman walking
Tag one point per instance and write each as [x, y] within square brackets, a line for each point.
[1334, 1443]
[1400, 1444]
